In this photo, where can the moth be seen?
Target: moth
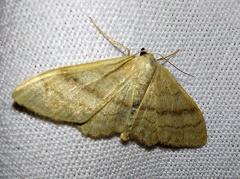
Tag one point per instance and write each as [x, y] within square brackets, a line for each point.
[134, 96]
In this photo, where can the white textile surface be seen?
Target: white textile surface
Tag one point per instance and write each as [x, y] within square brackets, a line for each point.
[39, 35]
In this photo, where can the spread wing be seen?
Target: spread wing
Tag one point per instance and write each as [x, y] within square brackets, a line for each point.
[113, 115]
[89, 93]
[168, 115]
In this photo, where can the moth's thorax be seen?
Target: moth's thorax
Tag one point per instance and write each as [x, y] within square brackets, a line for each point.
[146, 62]
[145, 65]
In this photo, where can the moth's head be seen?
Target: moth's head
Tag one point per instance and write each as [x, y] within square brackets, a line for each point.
[145, 53]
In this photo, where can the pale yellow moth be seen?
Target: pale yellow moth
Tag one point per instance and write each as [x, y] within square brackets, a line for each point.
[131, 95]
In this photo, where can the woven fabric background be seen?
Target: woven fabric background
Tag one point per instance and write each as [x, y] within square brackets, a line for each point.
[39, 35]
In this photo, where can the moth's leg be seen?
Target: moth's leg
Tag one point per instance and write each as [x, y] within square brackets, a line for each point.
[109, 38]
[166, 60]
[124, 136]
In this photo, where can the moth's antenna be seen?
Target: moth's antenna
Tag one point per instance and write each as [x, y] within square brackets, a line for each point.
[166, 60]
[166, 57]
[109, 38]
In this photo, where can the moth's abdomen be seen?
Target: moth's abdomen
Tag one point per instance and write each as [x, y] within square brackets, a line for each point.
[145, 68]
